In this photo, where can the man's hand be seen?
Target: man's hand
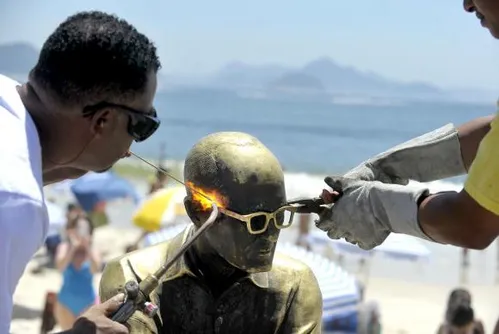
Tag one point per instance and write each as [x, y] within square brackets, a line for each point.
[368, 211]
[95, 320]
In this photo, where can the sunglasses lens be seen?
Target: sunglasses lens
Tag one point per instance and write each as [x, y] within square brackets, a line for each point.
[142, 127]
[258, 223]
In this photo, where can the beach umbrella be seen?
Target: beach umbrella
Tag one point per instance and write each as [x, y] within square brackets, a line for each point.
[163, 207]
[93, 188]
[396, 246]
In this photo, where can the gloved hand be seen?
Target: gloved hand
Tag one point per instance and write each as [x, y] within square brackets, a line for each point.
[368, 211]
[433, 156]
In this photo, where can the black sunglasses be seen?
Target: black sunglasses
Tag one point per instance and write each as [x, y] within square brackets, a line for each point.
[141, 125]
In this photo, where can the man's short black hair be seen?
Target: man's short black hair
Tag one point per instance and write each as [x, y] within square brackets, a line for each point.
[94, 55]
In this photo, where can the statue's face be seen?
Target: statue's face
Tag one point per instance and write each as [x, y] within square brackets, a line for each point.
[231, 238]
[248, 179]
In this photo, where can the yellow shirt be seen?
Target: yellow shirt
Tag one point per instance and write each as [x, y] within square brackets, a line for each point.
[287, 299]
[483, 177]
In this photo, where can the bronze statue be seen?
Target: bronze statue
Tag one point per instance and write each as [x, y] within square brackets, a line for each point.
[229, 281]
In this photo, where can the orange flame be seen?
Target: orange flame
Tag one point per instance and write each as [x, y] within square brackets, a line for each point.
[204, 202]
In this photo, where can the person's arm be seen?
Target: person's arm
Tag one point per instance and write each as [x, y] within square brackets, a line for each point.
[95, 260]
[304, 315]
[469, 218]
[444, 152]
[64, 256]
[470, 135]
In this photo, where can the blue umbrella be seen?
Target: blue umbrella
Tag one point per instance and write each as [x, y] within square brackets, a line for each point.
[93, 188]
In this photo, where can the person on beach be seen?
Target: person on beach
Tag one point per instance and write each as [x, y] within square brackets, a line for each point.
[460, 316]
[303, 239]
[87, 99]
[160, 180]
[376, 200]
[78, 262]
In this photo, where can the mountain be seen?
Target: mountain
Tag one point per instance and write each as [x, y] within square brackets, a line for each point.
[321, 76]
[322, 79]
[238, 74]
[17, 59]
[348, 79]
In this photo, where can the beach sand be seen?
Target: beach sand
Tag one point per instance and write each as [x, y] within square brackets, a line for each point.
[411, 296]
[406, 307]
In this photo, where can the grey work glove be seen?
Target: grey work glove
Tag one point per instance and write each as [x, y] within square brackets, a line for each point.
[368, 211]
[433, 156]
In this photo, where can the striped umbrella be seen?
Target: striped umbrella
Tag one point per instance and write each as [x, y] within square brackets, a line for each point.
[398, 246]
[163, 207]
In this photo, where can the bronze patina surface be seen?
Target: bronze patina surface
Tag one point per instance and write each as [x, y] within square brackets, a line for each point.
[230, 281]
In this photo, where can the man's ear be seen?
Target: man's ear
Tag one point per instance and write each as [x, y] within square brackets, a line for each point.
[193, 212]
[100, 121]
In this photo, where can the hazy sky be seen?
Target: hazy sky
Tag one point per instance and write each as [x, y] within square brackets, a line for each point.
[433, 41]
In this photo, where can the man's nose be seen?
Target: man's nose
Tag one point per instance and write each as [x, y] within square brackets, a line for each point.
[469, 6]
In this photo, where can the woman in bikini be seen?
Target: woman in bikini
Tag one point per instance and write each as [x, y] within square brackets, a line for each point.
[78, 263]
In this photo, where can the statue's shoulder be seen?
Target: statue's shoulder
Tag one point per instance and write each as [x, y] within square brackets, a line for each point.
[283, 262]
[291, 272]
[137, 265]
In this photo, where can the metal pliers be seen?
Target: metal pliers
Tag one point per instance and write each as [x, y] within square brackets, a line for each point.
[313, 205]
[308, 205]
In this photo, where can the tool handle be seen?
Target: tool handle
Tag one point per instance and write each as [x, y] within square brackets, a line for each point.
[124, 312]
[130, 305]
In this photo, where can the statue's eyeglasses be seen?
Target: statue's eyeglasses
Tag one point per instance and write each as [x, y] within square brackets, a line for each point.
[258, 222]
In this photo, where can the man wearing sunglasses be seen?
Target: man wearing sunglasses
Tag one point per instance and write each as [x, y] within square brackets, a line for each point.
[229, 281]
[86, 100]
[377, 201]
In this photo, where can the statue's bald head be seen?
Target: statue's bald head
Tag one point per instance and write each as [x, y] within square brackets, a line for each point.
[240, 168]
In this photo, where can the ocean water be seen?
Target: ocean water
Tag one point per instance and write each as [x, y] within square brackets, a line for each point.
[305, 136]
[319, 138]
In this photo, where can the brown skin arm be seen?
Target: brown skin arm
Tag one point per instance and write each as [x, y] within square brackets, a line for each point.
[470, 136]
[456, 218]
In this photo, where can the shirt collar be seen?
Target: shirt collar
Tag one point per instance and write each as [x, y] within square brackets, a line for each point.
[180, 268]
